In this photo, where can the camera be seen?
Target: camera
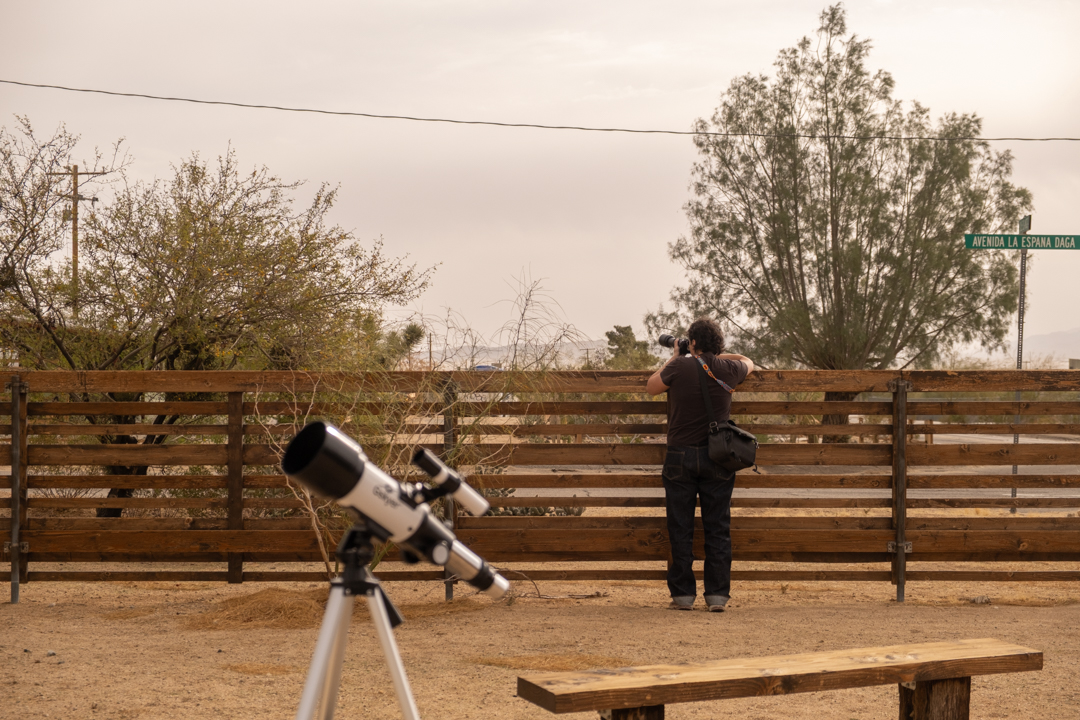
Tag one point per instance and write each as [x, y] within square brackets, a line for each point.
[669, 341]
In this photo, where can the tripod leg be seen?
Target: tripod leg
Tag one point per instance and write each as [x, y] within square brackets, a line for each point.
[324, 674]
[381, 620]
[337, 657]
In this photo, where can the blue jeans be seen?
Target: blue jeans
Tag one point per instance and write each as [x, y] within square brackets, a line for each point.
[689, 474]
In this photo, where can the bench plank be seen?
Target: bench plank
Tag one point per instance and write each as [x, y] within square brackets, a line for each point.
[774, 675]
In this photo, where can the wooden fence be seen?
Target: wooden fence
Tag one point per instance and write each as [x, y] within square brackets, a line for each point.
[570, 461]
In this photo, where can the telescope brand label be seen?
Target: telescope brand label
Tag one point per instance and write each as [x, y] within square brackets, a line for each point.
[385, 494]
[1022, 242]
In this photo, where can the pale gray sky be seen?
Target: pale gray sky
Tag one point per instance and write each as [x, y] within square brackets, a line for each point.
[591, 214]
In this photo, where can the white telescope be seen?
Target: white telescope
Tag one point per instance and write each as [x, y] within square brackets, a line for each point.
[332, 464]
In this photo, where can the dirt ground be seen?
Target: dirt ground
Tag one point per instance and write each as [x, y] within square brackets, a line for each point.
[202, 650]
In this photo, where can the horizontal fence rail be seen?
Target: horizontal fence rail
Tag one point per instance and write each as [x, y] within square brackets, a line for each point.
[863, 476]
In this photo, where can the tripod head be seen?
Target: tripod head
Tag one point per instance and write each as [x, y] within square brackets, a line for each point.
[355, 552]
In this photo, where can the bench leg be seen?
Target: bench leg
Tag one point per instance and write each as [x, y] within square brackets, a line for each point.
[651, 712]
[936, 700]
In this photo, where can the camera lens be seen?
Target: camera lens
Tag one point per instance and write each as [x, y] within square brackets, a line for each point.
[667, 341]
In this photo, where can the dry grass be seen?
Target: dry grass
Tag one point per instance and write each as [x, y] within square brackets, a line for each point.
[129, 613]
[280, 609]
[552, 663]
[261, 669]
[271, 608]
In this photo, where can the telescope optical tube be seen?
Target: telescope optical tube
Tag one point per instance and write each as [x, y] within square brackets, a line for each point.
[330, 463]
[447, 478]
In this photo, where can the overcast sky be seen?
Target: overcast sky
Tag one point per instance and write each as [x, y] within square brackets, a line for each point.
[590, 214]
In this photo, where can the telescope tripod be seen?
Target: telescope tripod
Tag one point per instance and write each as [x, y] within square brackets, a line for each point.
[324, 675]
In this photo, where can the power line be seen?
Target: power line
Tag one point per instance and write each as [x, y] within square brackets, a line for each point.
[492, 123]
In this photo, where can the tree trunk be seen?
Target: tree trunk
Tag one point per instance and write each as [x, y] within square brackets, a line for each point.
[837, 418]
[107, 512]
[103, 512]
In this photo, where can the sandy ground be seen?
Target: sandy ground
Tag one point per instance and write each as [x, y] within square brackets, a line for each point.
[201, 650]
[210, 650]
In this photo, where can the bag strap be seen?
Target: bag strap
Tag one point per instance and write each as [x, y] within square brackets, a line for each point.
[713, 425]
[723, 384]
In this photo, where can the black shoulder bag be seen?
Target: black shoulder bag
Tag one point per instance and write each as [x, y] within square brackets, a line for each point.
[730, 447]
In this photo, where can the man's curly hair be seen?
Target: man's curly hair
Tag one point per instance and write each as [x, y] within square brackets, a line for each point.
[707, 336]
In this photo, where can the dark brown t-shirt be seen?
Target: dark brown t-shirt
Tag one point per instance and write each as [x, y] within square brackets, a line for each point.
[688, 420]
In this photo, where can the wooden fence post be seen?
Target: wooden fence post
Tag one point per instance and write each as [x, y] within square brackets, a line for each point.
[449, 410]
[899, 547]
[235, 502]
[16, 547]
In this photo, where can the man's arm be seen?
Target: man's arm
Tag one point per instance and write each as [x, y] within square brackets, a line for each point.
[655, 385]
[739, 358]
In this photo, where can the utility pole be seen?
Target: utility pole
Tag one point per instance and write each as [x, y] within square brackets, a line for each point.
[75, 198]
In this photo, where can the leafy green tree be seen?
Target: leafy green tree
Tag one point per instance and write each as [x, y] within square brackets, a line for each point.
[823, 239]
[213, 269]
[626, 352]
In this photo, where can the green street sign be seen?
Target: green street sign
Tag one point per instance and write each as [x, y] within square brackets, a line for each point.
[1022, 242]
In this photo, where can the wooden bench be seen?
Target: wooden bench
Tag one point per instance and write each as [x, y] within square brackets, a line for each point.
[934, 679]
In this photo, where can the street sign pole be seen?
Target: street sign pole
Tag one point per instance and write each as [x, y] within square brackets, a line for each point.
[1025, 227]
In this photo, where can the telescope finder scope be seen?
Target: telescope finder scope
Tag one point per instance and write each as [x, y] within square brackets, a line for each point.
[453, 484]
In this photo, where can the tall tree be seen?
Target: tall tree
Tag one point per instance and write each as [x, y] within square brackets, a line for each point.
[213, 269]
[827, 219]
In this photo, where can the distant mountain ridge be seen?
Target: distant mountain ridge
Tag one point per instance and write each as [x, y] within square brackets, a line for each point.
[1063, 344]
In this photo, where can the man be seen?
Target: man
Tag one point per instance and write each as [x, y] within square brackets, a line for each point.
[688, 471]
